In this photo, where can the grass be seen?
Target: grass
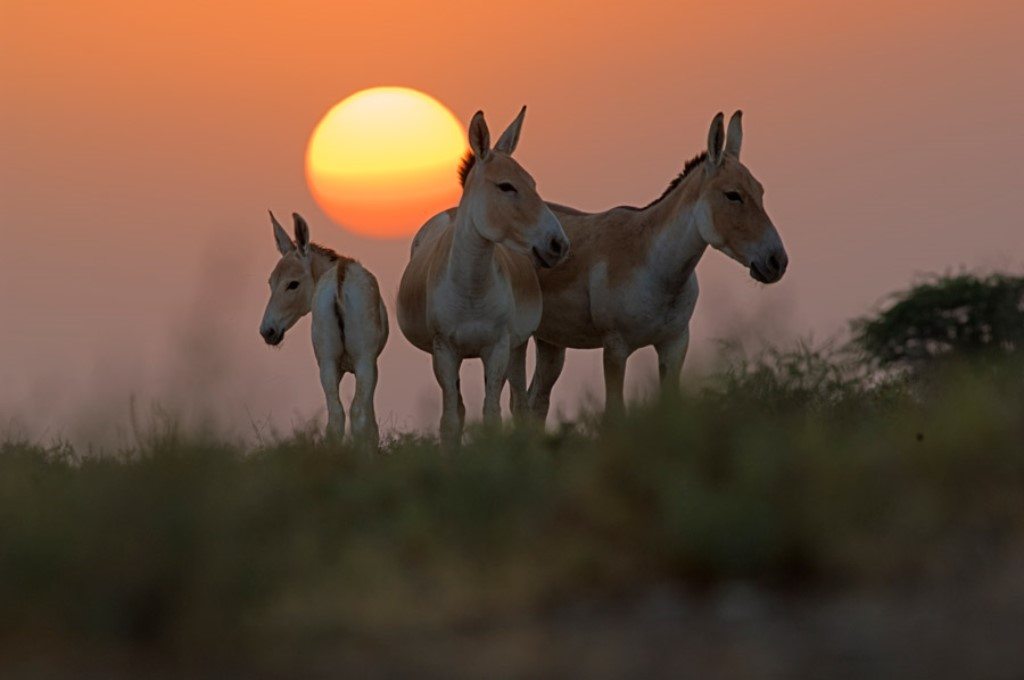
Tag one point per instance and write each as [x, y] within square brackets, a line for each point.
[783, 471]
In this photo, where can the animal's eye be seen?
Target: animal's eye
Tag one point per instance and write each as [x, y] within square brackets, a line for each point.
[292, 285]
[508, 188]
[734, 196]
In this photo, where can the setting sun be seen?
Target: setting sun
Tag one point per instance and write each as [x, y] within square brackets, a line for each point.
[384, 160]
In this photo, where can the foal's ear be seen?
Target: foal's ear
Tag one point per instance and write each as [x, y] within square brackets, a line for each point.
[716, 139]
[284, 244]
[301, 234]
[735, 138]
[510, 137]
[479, 136]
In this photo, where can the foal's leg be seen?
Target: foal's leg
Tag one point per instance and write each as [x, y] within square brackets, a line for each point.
[550, 361]
[517, 382]
[453, 411]
[330, 377]
[364, 419]
[496, 360]
[615, 355]
[671, 355]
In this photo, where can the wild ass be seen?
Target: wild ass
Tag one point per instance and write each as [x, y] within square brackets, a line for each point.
[350, 323]
[470, 288]
[630, 282]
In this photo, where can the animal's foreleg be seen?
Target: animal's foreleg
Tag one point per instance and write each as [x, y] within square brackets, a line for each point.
[496, 362]
[517, 383]
[330, 377]
[615, 356]
[550, 360]
[364, 419]
[671, 355]
[446, 370]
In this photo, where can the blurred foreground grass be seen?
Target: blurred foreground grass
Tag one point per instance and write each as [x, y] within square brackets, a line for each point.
[782, 473]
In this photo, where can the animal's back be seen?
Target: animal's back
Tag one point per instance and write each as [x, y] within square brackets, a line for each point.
[362, 307]
[349, 316]
[431, 229]
[428, 251]
[588, 296]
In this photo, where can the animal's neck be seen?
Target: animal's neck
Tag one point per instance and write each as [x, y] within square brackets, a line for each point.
[676, 245]
[471, 259]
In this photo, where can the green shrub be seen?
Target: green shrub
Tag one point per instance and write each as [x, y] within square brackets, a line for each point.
[961, 316]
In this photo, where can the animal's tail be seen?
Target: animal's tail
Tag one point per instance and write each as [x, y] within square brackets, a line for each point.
[342, 271]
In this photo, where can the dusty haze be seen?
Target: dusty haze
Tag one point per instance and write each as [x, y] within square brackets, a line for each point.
[142, 144]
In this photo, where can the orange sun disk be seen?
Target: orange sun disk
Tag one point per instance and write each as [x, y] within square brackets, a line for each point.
[384, 160]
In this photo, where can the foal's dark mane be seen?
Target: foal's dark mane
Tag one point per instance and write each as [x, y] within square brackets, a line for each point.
[329, 253]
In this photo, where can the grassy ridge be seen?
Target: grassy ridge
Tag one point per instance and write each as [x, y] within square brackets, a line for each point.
[783, 471]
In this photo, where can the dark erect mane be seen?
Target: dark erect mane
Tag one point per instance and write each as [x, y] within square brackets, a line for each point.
[325, 251]
[465, 165]
[331, 255]
[690, 166]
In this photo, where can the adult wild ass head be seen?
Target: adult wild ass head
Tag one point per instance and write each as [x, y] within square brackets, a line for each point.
[730, 209]
[501, 197]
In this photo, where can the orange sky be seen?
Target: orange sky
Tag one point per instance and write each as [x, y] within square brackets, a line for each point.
[143, 142]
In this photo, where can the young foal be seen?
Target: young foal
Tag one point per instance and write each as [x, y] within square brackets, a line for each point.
[350, 323]
[470, 288]
[630, 282]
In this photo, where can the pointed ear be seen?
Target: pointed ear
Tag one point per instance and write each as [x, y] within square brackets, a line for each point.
[284, 244]
[735, 138]
[716, 139]
[479, 136]
[510, 137]
[301, 234]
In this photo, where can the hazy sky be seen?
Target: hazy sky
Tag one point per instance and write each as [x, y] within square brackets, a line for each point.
[142, 143]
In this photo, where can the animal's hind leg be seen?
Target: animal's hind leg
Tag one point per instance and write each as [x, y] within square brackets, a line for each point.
[496, 362]
[364, 419]
[453, 411]
[550, 361]
[517, 383]
[330, 377]
[671, 355]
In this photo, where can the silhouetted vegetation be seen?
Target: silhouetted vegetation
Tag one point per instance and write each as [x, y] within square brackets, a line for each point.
[961, 316]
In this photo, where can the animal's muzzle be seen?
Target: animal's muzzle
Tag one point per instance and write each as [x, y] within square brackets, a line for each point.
[769, 269]
[271, 336]
[553, 252]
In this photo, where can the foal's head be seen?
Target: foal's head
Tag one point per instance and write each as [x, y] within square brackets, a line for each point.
[731, 214]
[502, 200]
[291, 282]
